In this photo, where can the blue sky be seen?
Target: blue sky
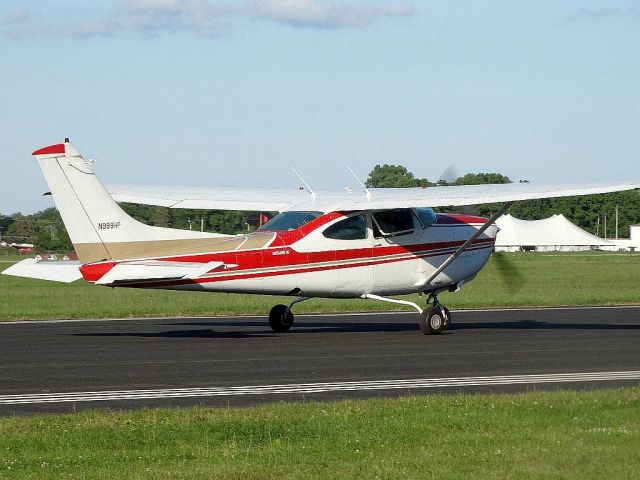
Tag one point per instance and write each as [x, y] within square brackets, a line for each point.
[235, 92]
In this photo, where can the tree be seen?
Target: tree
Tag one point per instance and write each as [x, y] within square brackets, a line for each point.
[161, 217]
[51, 235]
[5, 222]
[584, 211]
[482, 178]
[385, 176]
[23, 229]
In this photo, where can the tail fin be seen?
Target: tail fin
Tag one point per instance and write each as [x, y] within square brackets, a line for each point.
[99, 229]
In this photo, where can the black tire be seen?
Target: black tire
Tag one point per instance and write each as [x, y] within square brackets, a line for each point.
[431, 321]
[280, 319]
[447, 320]
[424, 326]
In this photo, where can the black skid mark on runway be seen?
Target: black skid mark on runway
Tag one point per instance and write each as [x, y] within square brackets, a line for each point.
[321, 327]
[267, 333]
[179, 334]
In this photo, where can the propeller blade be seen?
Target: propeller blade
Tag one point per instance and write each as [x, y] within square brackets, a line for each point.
[511, 276]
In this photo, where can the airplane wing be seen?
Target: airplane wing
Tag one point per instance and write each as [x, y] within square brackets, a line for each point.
[209, 198]
[254, 199]
[463, 195]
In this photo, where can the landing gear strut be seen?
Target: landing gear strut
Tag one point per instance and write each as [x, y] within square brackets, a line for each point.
[435, 318]
[281, 316]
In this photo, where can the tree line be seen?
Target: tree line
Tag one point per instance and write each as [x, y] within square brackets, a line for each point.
[46, 230]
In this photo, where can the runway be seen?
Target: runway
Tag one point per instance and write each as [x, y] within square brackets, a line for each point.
[65, 366]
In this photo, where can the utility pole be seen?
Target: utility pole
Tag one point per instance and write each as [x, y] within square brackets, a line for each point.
[598, 227]
[605, 225]
[617, 218]
[202, 224]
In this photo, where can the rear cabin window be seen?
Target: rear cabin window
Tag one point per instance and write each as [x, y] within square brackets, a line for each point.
[394, 222]
[352, 228]
[290, 220]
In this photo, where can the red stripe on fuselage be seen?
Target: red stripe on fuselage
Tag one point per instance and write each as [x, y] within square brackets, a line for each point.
[457, 219]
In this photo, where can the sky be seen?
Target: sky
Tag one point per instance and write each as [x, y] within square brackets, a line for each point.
[235, 92]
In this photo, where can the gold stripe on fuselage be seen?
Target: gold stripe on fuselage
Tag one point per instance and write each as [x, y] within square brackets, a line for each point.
[95, 252]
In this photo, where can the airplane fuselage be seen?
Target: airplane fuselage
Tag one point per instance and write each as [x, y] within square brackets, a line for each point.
[304, 262]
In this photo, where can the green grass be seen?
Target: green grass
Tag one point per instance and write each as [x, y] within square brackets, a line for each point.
[521, 279]
[564, 434]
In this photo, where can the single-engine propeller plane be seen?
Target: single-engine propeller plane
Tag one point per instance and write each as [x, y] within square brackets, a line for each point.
[371, 244]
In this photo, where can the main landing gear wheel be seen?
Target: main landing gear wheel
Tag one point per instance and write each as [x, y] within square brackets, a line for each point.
[435, 318]
[432, 321]
[280, 318]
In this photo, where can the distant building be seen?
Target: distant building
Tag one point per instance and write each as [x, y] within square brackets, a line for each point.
[631, 244]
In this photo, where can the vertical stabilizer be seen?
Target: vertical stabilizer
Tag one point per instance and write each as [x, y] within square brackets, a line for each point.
[99, 229]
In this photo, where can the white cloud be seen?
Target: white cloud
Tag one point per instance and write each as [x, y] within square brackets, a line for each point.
[586, 14]
[208, 18]
[16, 17]
[323, 14]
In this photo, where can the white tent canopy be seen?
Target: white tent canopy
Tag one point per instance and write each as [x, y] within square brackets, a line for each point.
[555, 233]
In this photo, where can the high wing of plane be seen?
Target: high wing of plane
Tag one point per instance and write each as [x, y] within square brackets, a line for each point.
[281, 200]
[368, 244]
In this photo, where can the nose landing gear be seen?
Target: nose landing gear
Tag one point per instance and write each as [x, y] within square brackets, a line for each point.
[281, 316]
[435, 318]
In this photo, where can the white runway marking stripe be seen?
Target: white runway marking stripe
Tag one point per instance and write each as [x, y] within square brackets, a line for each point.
[298, 388]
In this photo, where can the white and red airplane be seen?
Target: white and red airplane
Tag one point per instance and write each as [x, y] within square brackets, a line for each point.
[333, 244]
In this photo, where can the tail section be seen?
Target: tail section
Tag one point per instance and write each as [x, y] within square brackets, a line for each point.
[99, 229]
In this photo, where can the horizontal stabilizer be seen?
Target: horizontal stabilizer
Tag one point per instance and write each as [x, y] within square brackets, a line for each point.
[65, 271]
[147, 270]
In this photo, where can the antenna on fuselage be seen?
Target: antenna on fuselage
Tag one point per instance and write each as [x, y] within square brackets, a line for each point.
[366, 190]
[313, 194]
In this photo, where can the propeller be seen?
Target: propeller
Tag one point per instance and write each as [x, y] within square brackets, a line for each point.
[511, 276]
[449, 175]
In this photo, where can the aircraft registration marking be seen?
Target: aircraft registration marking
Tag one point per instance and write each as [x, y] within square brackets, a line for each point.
[108, 225]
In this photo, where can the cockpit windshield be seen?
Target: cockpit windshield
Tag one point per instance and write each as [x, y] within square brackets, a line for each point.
[290, 220]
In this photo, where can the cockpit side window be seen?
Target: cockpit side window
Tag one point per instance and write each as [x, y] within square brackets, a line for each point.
[426, 216]
[351, 228]
[394, 222]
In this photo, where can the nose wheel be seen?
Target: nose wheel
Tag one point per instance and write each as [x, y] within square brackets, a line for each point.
[435, 318]
[281, 316]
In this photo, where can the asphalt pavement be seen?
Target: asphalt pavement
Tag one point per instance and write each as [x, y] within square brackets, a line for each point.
[63, 366]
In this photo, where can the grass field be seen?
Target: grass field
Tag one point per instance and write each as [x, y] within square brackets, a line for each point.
[520, 279]
[573, 435]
